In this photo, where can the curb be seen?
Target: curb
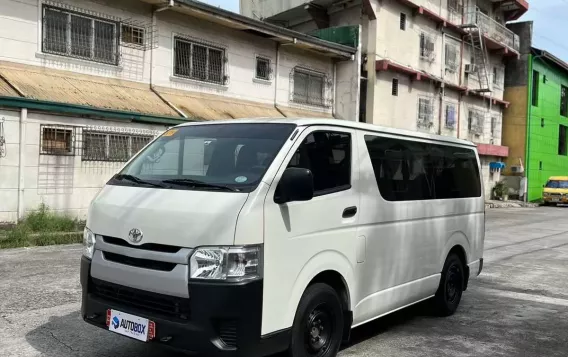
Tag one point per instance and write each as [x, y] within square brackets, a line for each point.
[511, 205]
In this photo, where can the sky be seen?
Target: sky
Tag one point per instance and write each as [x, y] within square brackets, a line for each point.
[548, 17]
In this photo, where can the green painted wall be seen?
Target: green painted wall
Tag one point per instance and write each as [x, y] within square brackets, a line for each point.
[542, 159]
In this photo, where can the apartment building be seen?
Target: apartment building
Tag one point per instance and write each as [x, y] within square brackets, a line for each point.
[431, 65]
[85, 84]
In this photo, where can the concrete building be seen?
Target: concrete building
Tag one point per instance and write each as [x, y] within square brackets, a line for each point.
[535, 130]
[85, 84]
[430, 65]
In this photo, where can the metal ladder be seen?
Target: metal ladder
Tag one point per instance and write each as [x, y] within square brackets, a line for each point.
[476, 40]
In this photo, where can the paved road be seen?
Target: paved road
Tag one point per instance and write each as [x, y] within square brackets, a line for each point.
[519, 306]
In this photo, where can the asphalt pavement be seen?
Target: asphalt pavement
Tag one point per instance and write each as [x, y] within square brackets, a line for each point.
[518, 306]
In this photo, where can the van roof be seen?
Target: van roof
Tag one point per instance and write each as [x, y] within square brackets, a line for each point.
[341, 123]
[558, 178]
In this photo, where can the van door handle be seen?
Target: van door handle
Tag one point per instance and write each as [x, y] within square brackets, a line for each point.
[349, 212]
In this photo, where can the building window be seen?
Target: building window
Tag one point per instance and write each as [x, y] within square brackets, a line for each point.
[198, 61]
[544, 80]
[56, 140]
[535, 83]
[262, 69]
[427, 47]
[562, 149]
[308, 87]
[542, 122]
[475, 122]
[100, 146]
[498, 77]
[79, 35]
[425, 112]
[132, 35]
[451, 57]
[451, 114]
[395, 87]
[403, 21]
[563, 101]
[494, 122]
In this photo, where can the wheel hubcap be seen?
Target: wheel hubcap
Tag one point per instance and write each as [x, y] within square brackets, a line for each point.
[453, 283]
[318, 331]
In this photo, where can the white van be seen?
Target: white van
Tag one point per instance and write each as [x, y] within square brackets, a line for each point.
[250, 237]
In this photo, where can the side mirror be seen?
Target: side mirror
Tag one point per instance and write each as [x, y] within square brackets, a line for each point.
[296, 184]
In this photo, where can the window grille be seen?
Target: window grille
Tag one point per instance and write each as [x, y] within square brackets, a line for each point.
[394, 90]
[403, 21]
[57, 140]
[451, 116]
[132, 35]
[427, 47]
[263, 69]
[310, 87]
[451, 57]
[111, 146]
[74, 34]
[425, 112]
[475, 122]
[199, 61]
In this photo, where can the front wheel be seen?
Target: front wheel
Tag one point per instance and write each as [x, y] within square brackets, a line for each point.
[451, 286]
[318, 324]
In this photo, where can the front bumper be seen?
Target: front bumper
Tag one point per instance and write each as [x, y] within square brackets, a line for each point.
[217, 319]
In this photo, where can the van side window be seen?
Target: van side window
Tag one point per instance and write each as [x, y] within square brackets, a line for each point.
[411, 171]
[328, 155]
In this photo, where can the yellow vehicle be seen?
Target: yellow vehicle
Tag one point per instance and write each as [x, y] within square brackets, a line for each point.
[556, 190]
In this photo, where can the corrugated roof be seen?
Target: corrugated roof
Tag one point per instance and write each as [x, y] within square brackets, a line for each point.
[213, 107]
[100, 92]
[6, 90]
[303, 113]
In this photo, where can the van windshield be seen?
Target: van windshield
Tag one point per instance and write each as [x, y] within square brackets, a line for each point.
[557, 184]
[230, 157]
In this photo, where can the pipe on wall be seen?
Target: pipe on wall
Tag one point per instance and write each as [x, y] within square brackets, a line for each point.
[154, 26]
[21, 164]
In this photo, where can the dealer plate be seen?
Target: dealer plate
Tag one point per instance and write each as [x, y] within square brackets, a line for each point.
[129, 325]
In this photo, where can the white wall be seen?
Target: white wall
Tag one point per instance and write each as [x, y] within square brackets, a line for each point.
[21, 37]
[65, 183]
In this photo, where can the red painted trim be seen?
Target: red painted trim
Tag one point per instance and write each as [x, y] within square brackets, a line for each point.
[492, 150]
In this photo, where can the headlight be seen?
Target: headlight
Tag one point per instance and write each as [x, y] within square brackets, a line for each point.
[88, 243]
[226, 263]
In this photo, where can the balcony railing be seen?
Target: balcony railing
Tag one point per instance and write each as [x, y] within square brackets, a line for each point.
[493, 30]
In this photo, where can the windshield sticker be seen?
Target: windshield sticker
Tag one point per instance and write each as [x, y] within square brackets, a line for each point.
[241, 179]
[170, 132]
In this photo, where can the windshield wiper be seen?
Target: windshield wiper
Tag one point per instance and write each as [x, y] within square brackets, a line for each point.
[135, 179]
[196, 183]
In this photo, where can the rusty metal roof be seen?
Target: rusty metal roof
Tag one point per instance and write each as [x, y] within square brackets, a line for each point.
[290, 112]
[6, 90]
[214, 107]
[67, 87]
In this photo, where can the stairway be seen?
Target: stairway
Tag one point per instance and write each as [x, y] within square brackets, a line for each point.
[476, 40]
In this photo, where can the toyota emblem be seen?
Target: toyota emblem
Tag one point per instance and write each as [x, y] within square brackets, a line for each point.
[135, 235]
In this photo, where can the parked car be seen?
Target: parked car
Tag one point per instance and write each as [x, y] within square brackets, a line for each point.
[556, 190]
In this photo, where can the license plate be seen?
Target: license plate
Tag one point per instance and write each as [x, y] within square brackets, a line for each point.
[554, 199]
[129, 325]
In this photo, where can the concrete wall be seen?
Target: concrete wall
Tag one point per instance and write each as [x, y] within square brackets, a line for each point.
[67, 184]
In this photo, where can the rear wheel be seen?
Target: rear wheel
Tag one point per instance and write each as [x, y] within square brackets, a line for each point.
[318, 325]
[451, 286]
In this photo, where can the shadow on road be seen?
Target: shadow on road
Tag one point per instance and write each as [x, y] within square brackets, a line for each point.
[487, 323]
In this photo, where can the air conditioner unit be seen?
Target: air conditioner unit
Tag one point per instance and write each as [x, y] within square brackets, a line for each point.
[517, 169]
[470, 68]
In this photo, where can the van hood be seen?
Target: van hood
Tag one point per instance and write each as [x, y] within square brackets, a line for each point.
[173, 217]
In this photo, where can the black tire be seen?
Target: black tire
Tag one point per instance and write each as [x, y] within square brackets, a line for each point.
[318, 324]
[451, 286]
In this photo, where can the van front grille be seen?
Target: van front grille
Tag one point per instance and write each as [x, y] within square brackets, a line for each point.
[156, 247]
[144, 300]
[137, 262]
